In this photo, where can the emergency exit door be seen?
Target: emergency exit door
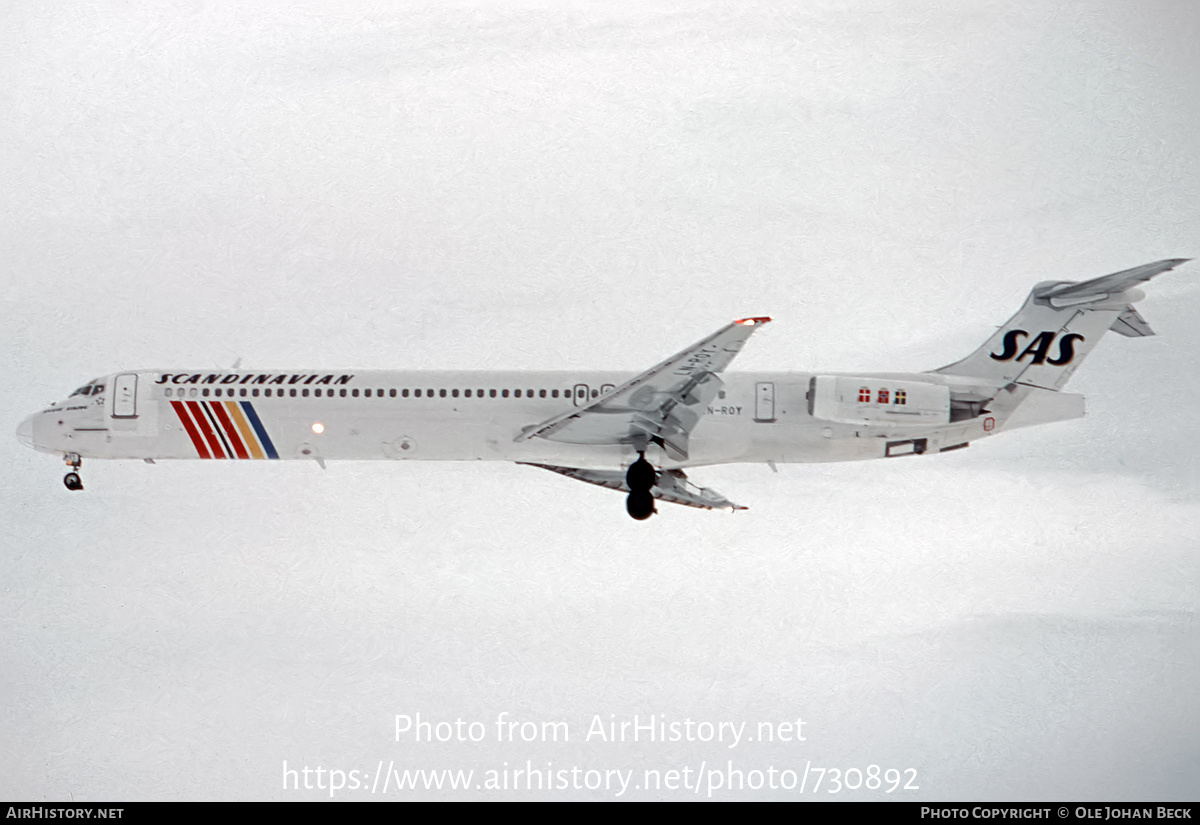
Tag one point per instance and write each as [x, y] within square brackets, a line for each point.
[764, 401]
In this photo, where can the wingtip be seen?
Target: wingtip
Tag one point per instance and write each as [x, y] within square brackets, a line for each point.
[755, 321]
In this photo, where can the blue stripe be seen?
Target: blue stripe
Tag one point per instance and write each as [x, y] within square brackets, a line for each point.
[263, 438]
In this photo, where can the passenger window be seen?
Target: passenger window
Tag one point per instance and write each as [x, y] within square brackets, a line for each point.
[454, 393]
[504, 393]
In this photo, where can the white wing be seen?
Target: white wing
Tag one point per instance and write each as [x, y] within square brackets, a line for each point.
[662, 404]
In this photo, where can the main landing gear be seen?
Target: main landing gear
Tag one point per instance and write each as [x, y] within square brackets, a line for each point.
[71, 479]
[640, 477]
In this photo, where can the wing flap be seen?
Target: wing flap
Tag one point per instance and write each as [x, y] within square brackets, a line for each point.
[672, 485]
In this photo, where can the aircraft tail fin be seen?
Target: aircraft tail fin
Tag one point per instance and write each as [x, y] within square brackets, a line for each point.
[1058, 325]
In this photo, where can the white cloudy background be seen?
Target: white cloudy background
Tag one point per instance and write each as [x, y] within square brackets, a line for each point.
[550, 185]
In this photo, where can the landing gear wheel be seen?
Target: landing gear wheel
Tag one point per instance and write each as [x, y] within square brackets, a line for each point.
[640, 505]
[641, 475]
[71, 479]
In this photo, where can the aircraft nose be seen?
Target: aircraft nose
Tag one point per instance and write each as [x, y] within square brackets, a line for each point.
[25, 432]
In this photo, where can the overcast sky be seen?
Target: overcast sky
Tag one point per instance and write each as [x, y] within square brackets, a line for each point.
[551, 185]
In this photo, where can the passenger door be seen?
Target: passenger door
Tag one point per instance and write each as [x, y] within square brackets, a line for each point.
[124, 395]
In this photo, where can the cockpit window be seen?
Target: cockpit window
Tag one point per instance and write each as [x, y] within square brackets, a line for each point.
[92, 388]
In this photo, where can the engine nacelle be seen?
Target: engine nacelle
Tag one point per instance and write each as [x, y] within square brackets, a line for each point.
[851, 400]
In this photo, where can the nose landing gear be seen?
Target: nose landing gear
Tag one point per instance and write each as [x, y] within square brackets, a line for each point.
[640, 477]
[71, 479]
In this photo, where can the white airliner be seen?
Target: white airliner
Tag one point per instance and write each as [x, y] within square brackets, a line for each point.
[634, 433]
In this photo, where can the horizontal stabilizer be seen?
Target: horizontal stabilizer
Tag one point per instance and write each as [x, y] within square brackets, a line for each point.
[672, 485]
[1068, 294]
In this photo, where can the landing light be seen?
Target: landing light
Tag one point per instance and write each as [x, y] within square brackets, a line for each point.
[318, 428]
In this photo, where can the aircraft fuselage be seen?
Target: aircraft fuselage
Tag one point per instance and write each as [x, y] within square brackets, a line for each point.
[457, 416]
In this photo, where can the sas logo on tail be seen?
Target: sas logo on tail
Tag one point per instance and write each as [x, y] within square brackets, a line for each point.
[1039, 347]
